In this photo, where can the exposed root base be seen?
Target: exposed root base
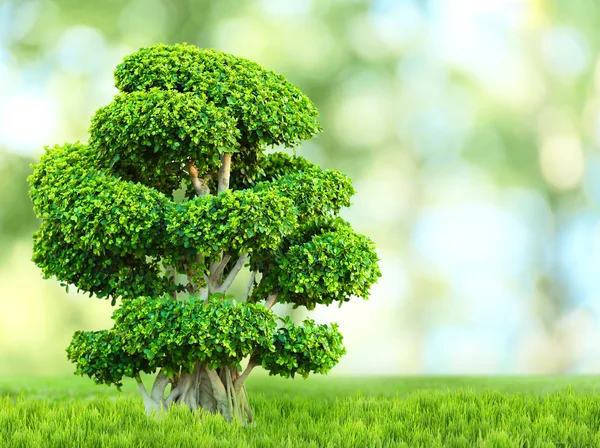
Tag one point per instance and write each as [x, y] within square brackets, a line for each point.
[212, 390]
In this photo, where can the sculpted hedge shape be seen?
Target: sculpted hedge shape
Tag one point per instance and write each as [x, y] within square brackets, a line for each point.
[199, 120]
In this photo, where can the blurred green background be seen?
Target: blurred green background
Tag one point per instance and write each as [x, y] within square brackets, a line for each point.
[471, 130]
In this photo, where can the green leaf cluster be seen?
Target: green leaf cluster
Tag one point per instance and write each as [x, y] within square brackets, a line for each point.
[98, 232]
[322, 262]
[101, 355]
[147, 136]
[269, 109]
[234, 221]
[95, 210]
[266, 167]
[182, 103]
[175, 335]
[302, 349]
[106, 276]
[172, 335]
[314, 192]
[106, 236]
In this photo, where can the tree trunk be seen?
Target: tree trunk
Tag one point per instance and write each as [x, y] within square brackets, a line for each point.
[212, 390]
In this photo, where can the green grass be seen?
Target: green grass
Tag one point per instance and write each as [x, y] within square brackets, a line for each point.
[557, 411]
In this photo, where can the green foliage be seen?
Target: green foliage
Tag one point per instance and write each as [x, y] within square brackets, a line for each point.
[107, 276]
[268, 168]
[177, 334]
[172, 335]
[269, 110]
[147, 136]
[314, 191]
[303, 349]
[101, 356]
[322, 262]
[234, 221]
[98, 230]
[97, 211]
[278, 164]
[165, 88]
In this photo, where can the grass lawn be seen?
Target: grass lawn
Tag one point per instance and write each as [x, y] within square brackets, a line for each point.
[546, 411]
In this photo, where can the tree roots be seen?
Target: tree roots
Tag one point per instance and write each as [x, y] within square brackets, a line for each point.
[214, 390]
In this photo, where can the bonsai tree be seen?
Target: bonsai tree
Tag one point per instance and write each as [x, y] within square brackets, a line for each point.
[198, 121]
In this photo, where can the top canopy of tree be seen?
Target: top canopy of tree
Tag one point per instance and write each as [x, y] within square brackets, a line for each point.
[183, 103]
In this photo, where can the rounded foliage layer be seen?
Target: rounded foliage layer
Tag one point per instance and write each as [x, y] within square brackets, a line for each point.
[101, 356]
[303, 349]
[269, 109]
[234, 221]
[314, 192]
[109, 275]
[95, 210]
[267, 168]
[172, 335]
[323, 261]
[147, 136]
[97, 231]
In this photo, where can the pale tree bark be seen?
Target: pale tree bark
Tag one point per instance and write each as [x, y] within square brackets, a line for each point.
[222, 186]
[220, 391]
[242, 378]
[249, 287]
[200, 185]
[158, 388]
[271, 300]
[203, 293]
[216, 269]
[239, 264]
[150, 404]
[224, 171]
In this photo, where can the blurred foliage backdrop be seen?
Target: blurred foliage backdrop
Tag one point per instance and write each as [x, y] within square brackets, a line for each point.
[470, 128]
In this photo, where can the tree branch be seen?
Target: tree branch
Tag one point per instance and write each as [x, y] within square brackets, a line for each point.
[216, 269]
[196, 382]
[271, 301]
[185, 385]
[158, 388]
[229, 388]
[199, 184]
[173, 395]
[141, 387]
[150, 405]
[217, 384]
[240, 381]
[247, 405]
[239, 264]
[249, 287]
[224, 171]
